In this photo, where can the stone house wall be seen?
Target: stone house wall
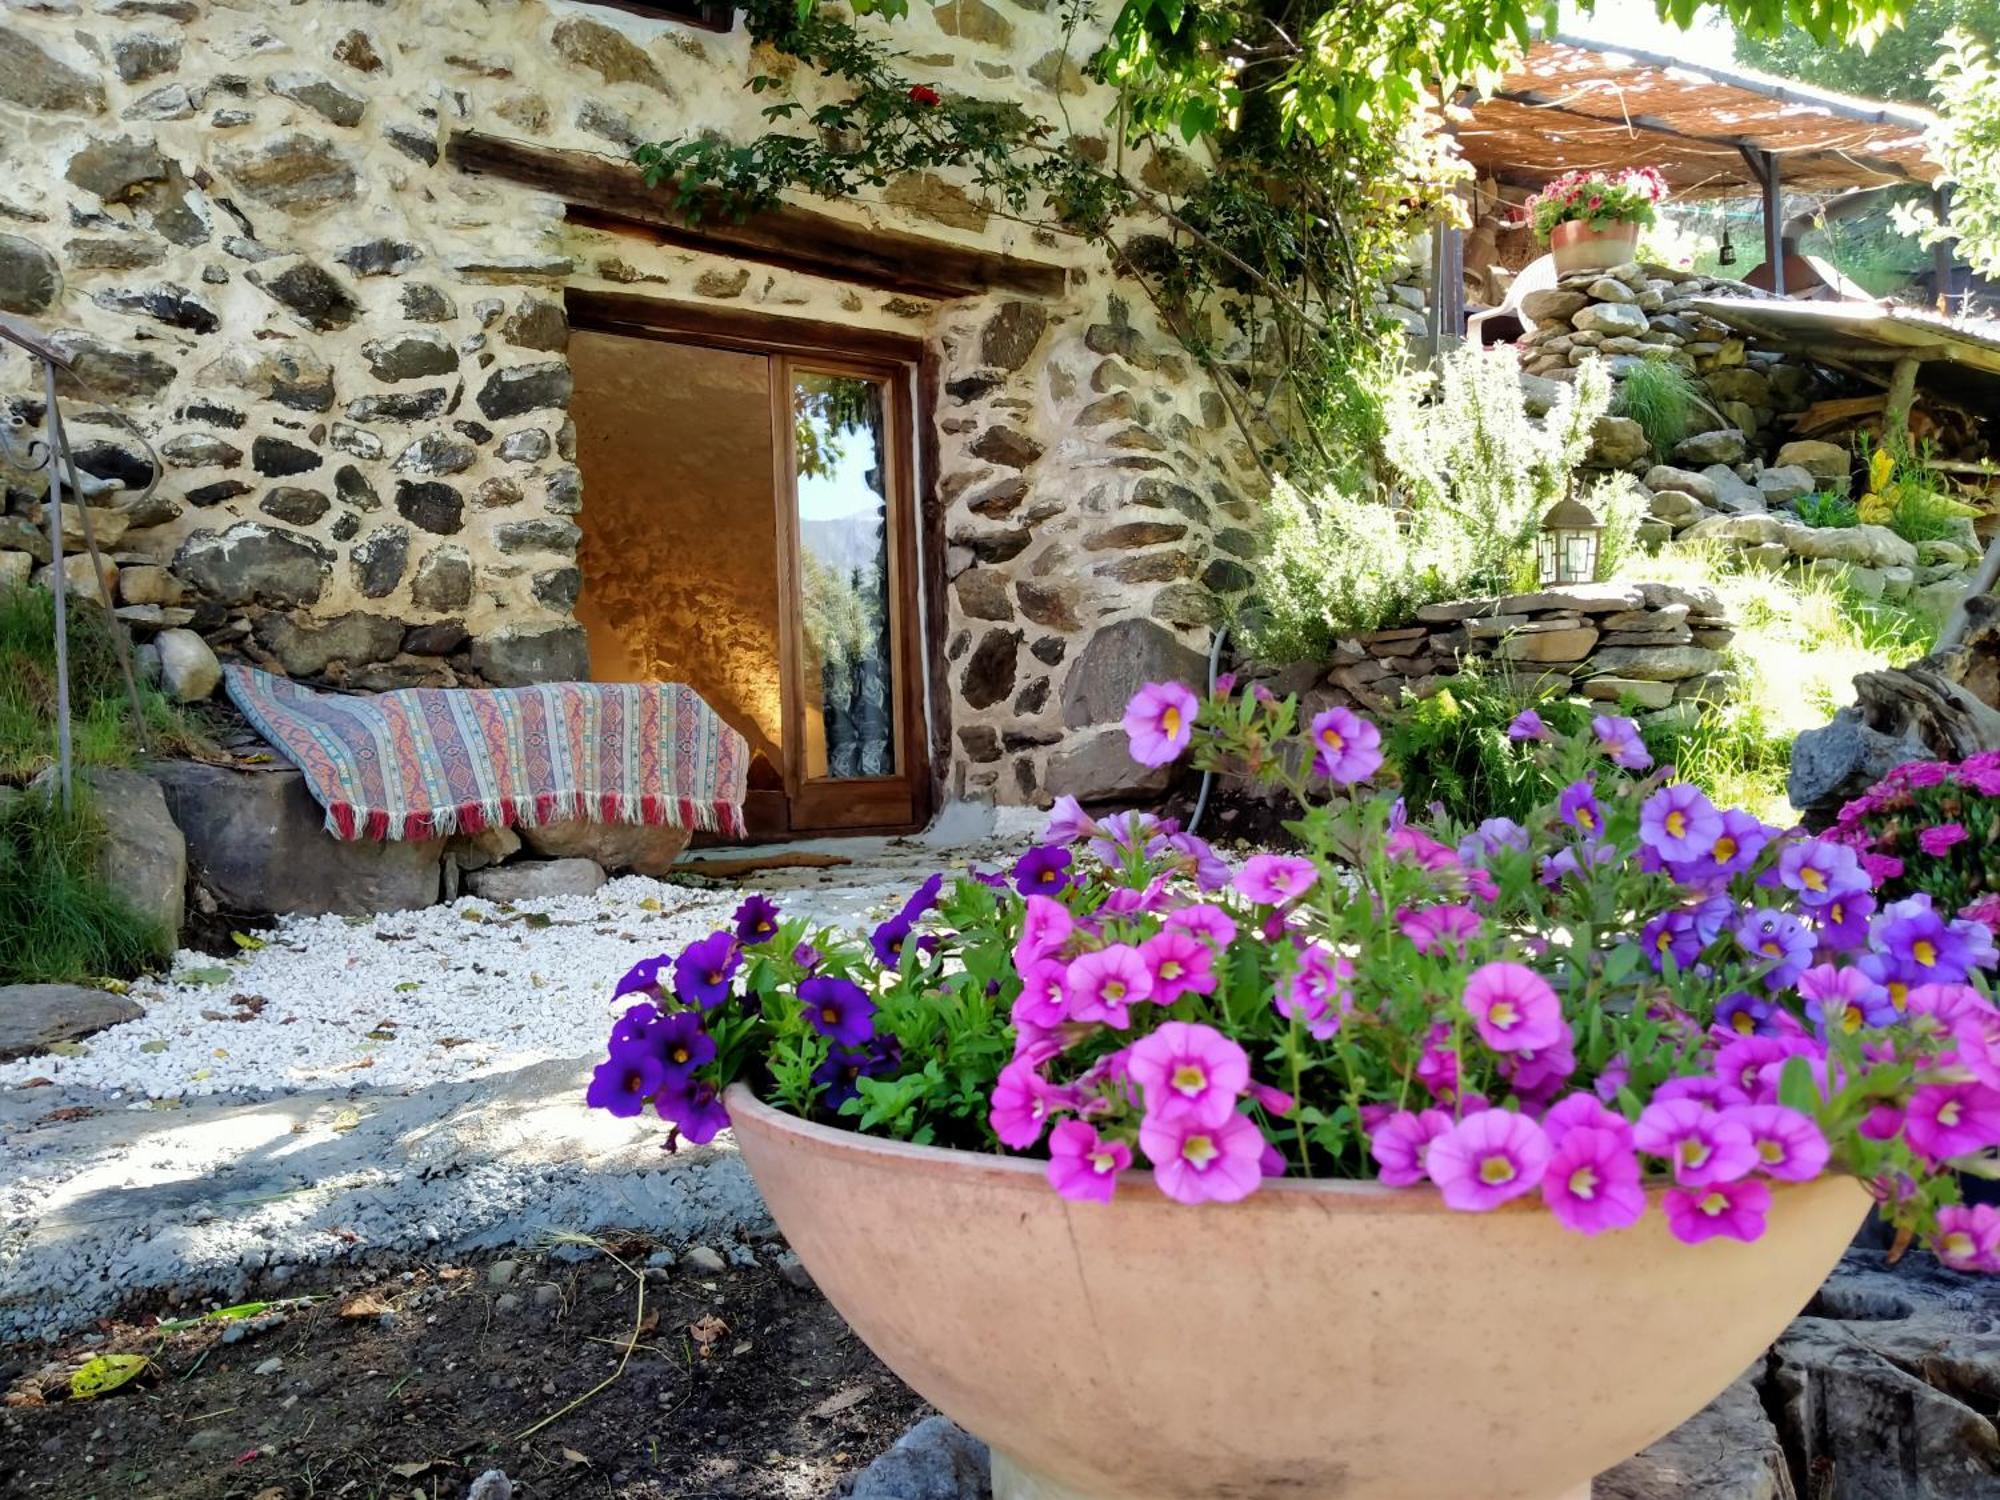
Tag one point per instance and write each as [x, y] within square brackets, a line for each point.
[236, 219]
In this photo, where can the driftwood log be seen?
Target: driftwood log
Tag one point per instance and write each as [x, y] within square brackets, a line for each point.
[1943, 707]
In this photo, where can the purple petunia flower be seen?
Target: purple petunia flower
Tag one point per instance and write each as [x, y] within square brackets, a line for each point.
[1671, 935]
[1068, 822]
[1927, 948]
[634, 1023]
[1043, 871]
[923, 899]
[643, 978]
[1159, 721]
[1346, 747]
[1820, 870]
[756, 920]
[621, 1085]
[696, 1111]
[681, 1043]
[1211, 871]
[838, 1009]
[703, 971]
[1842, 923]
[1579, 809]
[1528, 725]
[1490, 837]
[1678, 823]
[1620, 738]
[889, 939]
[1777, 939]
[1844, 999]
[1743, 1013]
[841, 1074]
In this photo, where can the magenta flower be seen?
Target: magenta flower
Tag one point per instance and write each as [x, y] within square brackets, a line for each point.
[1702, 1146]
[1968, 1238]
[1083, 1166]
[1346, 747]
[1045, 927]
[1487, 1159]
[1019, 1104]
[1678, 823]
[1528, 725]
[1400, 1141]
[1181, 964]
[1044, 999]
[1584, 1112]
[1439, 929]
[1316, 992]
[1591, 1182]
[1102, 984]
[1735, 1210]
[1514, 1009]
[1160, 722]
[1952, 1119]
[1620, 738]
[1210, 923]
[1578, 807]
[1844, 999]
[1942, 838]
[1195, 1163]
[1189, 1071]
[1437, 1068]
[1788, 1144]
[1274, 879]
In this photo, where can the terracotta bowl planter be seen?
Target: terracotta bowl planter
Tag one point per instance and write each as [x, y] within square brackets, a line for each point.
[1318, 1340]
[1576, 246]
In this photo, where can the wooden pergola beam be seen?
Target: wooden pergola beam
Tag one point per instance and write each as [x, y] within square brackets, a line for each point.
[791, 237]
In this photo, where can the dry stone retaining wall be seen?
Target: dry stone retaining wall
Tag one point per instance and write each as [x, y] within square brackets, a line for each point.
[237, 222]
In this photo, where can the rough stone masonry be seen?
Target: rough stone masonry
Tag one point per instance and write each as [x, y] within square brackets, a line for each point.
[238, 223]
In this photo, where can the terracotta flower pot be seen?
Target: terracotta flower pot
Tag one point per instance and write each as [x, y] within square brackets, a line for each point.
[1578, 246]
[1316, 1340]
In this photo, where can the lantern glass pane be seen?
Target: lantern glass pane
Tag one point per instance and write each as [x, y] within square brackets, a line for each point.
[1545, 557]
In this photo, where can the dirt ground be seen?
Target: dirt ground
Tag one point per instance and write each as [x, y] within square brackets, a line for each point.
[407, 1384]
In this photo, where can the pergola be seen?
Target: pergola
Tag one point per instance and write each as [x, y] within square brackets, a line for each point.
[1713, 131]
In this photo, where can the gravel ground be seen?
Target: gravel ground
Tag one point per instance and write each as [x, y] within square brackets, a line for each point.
[410, 1083]
[413, 998]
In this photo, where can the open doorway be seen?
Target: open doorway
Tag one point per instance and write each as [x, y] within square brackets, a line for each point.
[749, 530]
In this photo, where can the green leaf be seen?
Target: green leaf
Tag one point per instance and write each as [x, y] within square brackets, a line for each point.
[1796, 1089]
[105, 1373]
[246, 942]
[211, 975]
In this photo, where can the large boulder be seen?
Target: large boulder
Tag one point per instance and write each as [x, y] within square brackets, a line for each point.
[514, 657]
[1723, 445]
[536, 880]
[1842, 760]
[642, 848]
[258, 842]
[1727, 1451]
[1864, 546]
[1617, 443]
[1100, 768]
[1119, 660]
[143, 860]
[1827, 462]
[36, 1017]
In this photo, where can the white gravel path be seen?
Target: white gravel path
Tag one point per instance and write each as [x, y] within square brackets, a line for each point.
[414, 998]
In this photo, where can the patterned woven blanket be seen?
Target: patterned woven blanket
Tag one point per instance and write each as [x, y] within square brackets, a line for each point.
[424, 762]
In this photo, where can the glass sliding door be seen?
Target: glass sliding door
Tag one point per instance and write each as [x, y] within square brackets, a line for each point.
[748, 529]
[847, 428]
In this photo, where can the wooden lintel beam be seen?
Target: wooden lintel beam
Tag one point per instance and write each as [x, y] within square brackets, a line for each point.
[793, 237]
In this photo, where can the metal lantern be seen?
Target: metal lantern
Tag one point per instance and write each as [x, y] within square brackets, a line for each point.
[1566, 550]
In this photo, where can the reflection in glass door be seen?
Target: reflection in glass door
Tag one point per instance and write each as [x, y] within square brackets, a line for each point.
[846, 644]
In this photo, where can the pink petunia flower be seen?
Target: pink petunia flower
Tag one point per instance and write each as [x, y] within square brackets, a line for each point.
[1591, 1182]
[1942, 838]
[1159, 721]
[1210, 922]
[1400, 1142]
[1968, 1237]
[1346, 747]
[1435, 929]
[1102, 984]
[1584, 1112]
[1702, 1146]
[1195, 1163]
[1044, 998]
[1952, 1119]
[1274, 879]
[1189, 1071]
[1019, 1104]
[1488, 1158]
[1068, 822]
[1788, 1144]
[1271, 1101]
[1181, 964]
[1734, 1210]
[1514, 1009]
[1437, 1067]
[1083, 1166]
[1316, 991]
[1045, 927]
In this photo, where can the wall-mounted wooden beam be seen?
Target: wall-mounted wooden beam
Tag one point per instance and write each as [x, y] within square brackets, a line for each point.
[796, 238]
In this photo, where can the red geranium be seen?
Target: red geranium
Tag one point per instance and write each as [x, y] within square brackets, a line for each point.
[920, 94]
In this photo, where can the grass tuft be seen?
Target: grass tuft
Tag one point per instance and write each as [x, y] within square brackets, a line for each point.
[58, 923]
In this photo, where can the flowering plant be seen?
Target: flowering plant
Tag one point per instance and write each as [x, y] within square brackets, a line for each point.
[1631, 989]
[1932, 825]
[1597, 199]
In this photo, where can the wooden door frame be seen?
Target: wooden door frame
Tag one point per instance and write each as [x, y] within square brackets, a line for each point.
[916, 645]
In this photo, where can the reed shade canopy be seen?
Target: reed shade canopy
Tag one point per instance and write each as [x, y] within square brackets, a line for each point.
[1580, 104]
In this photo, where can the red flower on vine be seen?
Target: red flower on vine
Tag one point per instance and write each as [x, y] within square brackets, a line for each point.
[921, 94]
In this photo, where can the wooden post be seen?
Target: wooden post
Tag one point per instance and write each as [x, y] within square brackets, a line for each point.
[1941, 258]
[1902, 395]
[1774, 222]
